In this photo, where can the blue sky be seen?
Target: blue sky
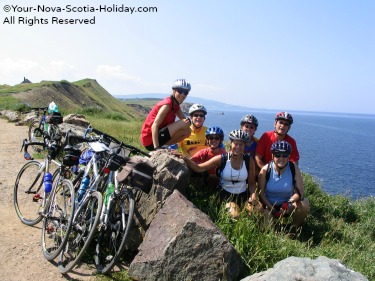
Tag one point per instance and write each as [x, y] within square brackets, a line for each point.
[293, 55]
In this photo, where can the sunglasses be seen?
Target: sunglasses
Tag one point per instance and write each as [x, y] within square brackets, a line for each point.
[249, 126]
[284, 123]
[213, 138]
[198, 115]
[182, 92]
[278, 155]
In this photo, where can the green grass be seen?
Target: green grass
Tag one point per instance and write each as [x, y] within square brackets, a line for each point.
[336, 226]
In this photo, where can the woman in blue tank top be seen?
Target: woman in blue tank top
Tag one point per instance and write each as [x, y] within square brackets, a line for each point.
[281, 190]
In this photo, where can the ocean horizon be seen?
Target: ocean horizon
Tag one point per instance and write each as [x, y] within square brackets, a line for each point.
[337, 149]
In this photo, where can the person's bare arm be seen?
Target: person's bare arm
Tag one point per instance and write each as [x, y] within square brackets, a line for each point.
[200, 168]
[158, 120]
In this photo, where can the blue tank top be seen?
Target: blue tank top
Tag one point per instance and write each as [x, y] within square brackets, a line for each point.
[279, 189]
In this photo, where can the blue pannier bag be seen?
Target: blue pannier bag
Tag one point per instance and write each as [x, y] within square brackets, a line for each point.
[86, 157]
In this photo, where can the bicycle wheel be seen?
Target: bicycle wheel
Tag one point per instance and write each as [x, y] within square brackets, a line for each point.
[58, 218]
[29, 192]
[35, 135]
[83, 229]
[113, 234]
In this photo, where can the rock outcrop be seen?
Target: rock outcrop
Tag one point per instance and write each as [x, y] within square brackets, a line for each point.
[305, 269]
[182, 243]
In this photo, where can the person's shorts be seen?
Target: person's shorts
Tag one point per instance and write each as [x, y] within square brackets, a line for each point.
[164, 136]
[240, 199]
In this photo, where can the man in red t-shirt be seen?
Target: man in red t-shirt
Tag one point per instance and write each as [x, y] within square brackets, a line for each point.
[283, 122]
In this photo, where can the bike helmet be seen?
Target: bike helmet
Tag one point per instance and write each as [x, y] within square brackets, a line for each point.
[239, 135]
[197, 107]
[284, 116]
[249, 119]
[215, 130]
[281, 146]
[181, 84]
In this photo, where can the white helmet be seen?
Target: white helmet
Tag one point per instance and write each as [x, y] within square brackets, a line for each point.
[239, 135]
[197, 107]
[181, 84]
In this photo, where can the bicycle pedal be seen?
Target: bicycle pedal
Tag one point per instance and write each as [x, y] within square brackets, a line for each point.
[37, 197]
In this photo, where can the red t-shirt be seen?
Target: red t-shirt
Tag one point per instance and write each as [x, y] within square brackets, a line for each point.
[206, 154]
[146, 134]
[265, 142]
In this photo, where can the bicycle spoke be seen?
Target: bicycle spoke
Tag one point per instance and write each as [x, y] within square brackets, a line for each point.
[57, 220]
[29, 193]
[112, 235]
[82, 232]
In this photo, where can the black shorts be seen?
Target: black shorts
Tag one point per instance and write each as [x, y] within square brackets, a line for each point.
[164, 136]
[240, 199]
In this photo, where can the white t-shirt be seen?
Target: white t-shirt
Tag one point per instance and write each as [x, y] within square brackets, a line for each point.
[234, 181]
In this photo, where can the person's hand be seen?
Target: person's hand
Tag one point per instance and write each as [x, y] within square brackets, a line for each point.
[187, 120]
[177, 153]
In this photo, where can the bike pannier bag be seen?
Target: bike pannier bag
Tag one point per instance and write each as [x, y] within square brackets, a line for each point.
[138, 173]
[71, 156]
[115, 161]
[54, 118]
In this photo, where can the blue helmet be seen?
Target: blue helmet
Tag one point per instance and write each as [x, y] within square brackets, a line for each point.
[281, 146]
[181, 84]
[215, 130]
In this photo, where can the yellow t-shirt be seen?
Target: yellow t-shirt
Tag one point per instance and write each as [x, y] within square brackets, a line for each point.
[194, 143]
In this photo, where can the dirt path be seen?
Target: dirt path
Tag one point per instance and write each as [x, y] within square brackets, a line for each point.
[21, 257]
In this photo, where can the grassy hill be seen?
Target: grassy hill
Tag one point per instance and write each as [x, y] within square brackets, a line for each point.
[82, 96]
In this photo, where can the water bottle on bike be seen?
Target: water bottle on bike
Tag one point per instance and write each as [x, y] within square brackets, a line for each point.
[82, 188]
[47, 182]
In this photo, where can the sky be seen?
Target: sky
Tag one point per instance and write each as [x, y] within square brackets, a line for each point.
[267, 54]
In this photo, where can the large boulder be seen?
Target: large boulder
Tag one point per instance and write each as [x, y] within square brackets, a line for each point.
[182, 243]
[76, 119]
[11, 115]
[171, 173]
[294, 268]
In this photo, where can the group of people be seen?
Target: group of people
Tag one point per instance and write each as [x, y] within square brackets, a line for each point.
[259, 174]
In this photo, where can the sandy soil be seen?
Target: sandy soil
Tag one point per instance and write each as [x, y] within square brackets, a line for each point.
[21, 256]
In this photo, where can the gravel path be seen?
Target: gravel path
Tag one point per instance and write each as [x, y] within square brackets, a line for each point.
[21, 257]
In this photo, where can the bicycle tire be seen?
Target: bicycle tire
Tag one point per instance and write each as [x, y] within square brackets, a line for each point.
[58, 217]
[83, 229]
[28, 193]
[36, 135]
[113, 235]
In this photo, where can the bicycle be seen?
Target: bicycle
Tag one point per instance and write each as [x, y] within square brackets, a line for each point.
[88, 208]
[86, 218]
[33, 201]
[43, 128]
[117, 215]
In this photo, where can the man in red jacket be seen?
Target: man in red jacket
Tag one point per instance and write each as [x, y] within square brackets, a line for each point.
[283, 122]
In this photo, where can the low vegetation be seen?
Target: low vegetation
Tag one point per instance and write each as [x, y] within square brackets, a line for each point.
[336, 227]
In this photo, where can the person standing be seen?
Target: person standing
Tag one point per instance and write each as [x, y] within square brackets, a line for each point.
[160, 127]
[283, 123]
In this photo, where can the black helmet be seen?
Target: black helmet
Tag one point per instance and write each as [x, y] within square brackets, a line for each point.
[281, 146]
[249, 119]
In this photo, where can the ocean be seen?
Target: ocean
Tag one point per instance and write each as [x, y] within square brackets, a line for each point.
[338, 150]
